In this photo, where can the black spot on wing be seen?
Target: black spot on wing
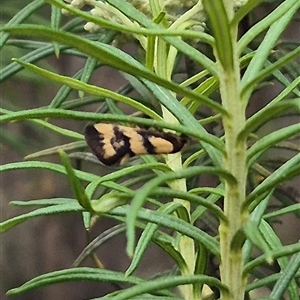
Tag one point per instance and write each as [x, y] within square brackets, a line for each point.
[122, 142]
[177, 141]
[95, 141]
[146, 143]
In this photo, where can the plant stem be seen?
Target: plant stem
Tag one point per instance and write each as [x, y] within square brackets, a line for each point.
[234, 162]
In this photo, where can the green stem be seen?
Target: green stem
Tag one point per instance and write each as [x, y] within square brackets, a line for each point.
[235, 163]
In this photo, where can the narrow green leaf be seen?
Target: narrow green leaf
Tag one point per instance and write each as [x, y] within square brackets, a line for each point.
[60, 130]
[259, 27]
[60, 169]
[280, 76]
[104, 236]
[91, 89]
[247, 87]
[185, 117]
[222, 32]
[288, 170]
[63, 93]
[270, 140]
[253, 72]
[43, 202]
[275, 243]
[54, 150]
[54, 128]
[173, 223]
[56, 15]
[256, 237]
[147, 236]
[255, 218]
[167, 192]
[287, 276]
[267, 281]
[98, 117]
[91, 63]
[75, 274]
[291, 209]
[139, 87]
[77, 188]
[133, 170]
[89, 67]
[212, 198]
[201, 263]
[53, 209]
[108, 202]
[108, 55]
[32, 56]
[283, 251]
[171, 251]
[267, 113]
[152, 286]
[145, 297]
[46, 166]
[244, 10]
[20, 17]
[78, 103]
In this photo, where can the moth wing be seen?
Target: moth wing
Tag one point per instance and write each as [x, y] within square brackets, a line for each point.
[99, 140]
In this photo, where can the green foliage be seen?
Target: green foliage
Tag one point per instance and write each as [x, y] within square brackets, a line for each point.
[153, 193]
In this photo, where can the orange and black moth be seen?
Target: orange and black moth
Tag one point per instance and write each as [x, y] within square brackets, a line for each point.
[114, 144]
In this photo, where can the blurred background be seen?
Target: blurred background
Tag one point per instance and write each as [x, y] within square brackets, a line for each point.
[43, 245]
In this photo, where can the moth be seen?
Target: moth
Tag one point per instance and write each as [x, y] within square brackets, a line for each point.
[115, 144]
